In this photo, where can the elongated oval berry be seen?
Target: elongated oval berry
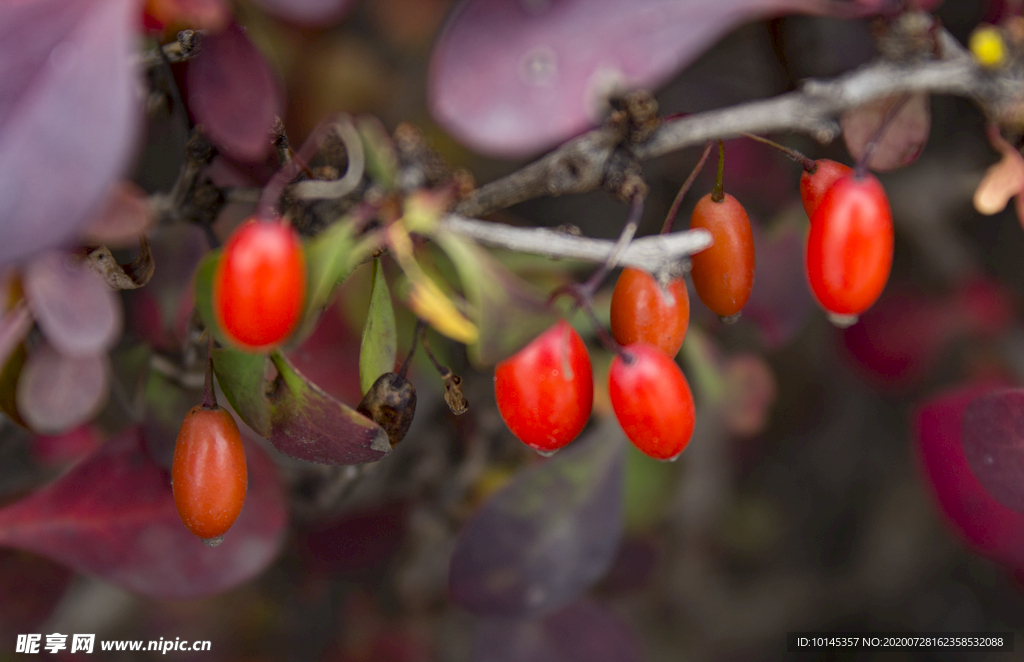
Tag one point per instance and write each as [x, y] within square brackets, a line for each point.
[209, 476]
[259, 287]
[850, 246]
[652, 401]
[545, 392]
[723, 274]
[813, 185]
[643, 311]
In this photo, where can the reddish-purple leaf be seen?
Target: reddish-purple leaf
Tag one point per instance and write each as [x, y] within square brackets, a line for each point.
[308, 12]
[356, 541]
[993, 438]
[77, 312]
[160, 311]
[233, 95]
[124, 216]
[901, 337]
[987, 525]
[60, 449]
[904, 136]
[298, 417]
[512, 77]
[113, 516]
[548, 536]
[209, 15]
[580, 632]
[57, 392]
[69, 110]
[780, 302]
[30, 587]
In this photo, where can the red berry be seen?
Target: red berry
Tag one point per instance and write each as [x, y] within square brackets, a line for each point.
[546, 391]
[643, 311]
[652, 400]
[850, 245]
[259, 288]
[723, 274]
[813, 185]
[209, 476]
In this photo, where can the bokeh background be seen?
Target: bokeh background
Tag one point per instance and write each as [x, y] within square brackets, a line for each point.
[822, 490]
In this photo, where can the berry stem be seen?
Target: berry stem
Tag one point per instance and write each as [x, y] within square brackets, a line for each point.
[418, 332]
[441, 370]
[636, 210]
[861, 168]
[670, 218]
[808, 164]
[209, 396]
[718, 193]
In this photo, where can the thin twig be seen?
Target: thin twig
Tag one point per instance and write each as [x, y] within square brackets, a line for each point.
[651, 253]
[636, 210]
[670, 217]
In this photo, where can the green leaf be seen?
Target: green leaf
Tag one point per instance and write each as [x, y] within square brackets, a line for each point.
[380, 341]
[328, 261]
[508, 311]
[241, 377]
[204, 294]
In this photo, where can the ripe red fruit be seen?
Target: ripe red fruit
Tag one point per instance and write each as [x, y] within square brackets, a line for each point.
[723, 274]
[850, 246]
[813, 185]
[546, 391]
[642, 311]
[208, 475]
[652, 401]
[259, 287]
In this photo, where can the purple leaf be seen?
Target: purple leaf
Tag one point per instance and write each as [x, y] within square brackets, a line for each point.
[66, 448]
[124, 216]
[77, 312]
[68, 115]
[512, 77]
[904, 136]
[548, 536]
[987, 525]
[160, 312]
[298, 417]
[57, 392]
[779, 302]
[993, 438]
[113, 516]
[581, 632]
[308, 12]
[233, 94]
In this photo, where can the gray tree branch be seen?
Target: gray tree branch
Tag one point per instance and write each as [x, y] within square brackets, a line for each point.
[582, 164]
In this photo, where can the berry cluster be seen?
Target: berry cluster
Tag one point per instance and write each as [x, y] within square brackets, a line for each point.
[545, 392]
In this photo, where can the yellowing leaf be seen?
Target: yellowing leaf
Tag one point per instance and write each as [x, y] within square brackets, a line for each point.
[428, 302]
[424, 296]
[1003, 180]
